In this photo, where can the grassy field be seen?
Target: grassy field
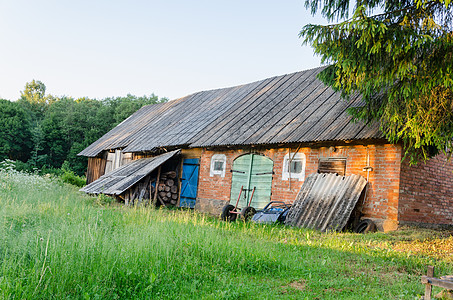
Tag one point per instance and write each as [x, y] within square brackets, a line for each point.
[56, 243]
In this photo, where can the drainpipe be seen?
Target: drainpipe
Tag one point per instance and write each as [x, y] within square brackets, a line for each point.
[368, 169]
[290, 159]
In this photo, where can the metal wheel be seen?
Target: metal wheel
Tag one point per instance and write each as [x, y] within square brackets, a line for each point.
[247, 213]
[226, 215]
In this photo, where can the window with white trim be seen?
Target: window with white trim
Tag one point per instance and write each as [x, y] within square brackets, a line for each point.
[218, 162]
[295, 170]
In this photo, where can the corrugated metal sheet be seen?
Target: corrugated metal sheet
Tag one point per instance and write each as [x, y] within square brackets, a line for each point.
[284, 109]
[325, 201]
[121, 179]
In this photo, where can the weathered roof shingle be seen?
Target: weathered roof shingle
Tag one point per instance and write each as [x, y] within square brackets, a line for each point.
[284, 109]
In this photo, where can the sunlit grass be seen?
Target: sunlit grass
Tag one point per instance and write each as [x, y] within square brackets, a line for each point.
[58, 243]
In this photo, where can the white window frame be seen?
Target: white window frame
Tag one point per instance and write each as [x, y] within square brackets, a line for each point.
[215, 158]
[295, 157]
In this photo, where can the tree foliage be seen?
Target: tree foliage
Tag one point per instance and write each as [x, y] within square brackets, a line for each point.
[15, 135]
[399, 56]
[45, 131]
[34, 99]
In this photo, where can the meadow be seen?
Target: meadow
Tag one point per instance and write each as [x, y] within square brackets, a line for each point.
[57, 243]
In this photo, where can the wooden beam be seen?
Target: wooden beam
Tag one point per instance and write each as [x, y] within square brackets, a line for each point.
[428, 286]
[179, 177]
[157, 183]
[446, 284]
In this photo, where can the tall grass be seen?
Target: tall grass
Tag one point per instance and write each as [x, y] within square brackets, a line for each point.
[57, 243]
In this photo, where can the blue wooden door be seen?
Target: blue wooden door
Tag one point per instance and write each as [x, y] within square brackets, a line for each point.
[189, 182]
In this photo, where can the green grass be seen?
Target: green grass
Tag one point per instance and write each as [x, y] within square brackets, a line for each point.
[56, 243]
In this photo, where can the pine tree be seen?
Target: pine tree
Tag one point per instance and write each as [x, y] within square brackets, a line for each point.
[399, 56]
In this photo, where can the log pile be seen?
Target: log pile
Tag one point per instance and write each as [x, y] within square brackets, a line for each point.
[140, 193]
[167, 189]
[145, 193]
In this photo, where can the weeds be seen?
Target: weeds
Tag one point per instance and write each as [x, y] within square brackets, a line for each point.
[58, 243]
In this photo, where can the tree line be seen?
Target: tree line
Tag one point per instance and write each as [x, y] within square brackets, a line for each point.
[45, 132]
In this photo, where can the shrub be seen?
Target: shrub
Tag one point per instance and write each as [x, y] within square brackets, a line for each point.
[68, 176]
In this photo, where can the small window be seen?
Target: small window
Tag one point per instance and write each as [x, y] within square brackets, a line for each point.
[295, 170]
[332, 165]
[296, 166]
[218, 162]
[218, 165]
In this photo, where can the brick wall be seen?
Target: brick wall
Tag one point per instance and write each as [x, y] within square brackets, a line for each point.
[426, 192]
[382, 195]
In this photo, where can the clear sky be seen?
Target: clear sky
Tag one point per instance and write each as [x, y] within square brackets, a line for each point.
[172, 48]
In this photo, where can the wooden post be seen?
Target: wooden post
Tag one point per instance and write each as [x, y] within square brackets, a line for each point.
[428, 286]
[178, 202]
[151, 190]
[157, 183]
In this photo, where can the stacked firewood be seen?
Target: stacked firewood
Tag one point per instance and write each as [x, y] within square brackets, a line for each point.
[167, 189]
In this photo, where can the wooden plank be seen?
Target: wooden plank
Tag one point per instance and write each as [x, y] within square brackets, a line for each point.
[222, 130]
[153, 133]
[237, 132]
[268, 107]
[428, 287]
[157, 182]
[222, 125]
[234, 99]
[213, 106]
[446, 284]
[272, 114]
[300, 114]
[315, 118]
[178, 203]
[191, 153]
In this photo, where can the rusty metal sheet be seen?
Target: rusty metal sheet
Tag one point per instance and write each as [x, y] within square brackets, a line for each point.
[325, 201]
[121, 179]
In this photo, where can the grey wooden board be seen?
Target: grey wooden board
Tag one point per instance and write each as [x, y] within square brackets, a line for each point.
[267, 110]
[303, 122]
[237, 116]
[273, 119]
[213, 130]
[121, 179]
[283, 109]
[263, 110]
[285, 117]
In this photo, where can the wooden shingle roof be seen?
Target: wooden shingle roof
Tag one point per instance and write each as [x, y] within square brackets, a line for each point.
[284, 109]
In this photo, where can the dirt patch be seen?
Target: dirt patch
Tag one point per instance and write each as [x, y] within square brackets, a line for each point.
[297, 285]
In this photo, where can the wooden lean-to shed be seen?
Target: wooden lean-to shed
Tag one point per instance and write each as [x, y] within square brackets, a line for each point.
[267, 137]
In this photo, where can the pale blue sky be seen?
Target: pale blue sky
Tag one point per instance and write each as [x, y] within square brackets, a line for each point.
[171, 48]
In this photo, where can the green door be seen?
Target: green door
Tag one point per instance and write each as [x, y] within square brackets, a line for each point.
[252, 171]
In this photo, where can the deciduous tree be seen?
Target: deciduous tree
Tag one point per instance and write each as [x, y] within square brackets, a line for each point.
[15, 136]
